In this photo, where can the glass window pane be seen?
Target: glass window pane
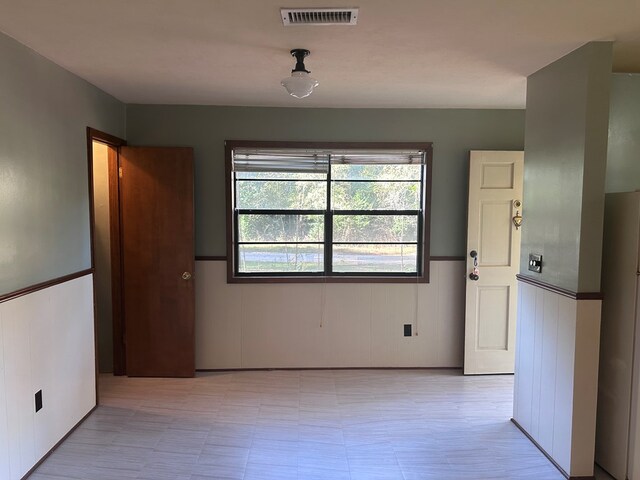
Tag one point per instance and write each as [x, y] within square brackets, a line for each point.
[289, 195]
[375, 228]
[280, 228]
[375, 258]
[281, 176]
[375, 196]
[280, 258]
[375, 172]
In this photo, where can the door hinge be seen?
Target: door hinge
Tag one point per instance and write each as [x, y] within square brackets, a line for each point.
[120, 172]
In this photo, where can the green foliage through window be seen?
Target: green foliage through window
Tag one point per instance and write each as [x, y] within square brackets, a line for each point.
[355, 219]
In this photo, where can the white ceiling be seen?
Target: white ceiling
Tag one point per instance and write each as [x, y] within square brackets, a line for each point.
[402, 53]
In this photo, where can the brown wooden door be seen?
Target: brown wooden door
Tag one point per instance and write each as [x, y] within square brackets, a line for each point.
[156, 188]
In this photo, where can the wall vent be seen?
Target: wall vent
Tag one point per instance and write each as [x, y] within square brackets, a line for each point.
[319, 16]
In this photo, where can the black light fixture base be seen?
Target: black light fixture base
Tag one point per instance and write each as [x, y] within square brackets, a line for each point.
[300, 54]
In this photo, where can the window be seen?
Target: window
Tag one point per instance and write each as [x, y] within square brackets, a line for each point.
[328, 212]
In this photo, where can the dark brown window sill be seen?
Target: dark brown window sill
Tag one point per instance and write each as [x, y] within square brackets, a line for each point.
[341, 279]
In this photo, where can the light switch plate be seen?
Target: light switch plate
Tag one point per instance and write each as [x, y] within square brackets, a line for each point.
[535, 262]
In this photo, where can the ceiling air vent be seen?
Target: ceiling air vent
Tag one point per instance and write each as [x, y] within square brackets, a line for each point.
[319, 16]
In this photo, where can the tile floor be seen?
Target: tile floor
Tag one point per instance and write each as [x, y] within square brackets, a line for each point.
[311, 425]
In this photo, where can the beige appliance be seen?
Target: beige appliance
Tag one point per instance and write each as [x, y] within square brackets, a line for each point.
[618, 421]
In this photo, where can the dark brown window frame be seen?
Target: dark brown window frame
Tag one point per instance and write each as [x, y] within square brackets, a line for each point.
[423, 277]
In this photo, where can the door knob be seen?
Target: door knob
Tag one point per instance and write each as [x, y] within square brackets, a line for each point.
[186, 276]
[475, 274]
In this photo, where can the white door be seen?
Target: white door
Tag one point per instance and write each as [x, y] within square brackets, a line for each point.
[495, 196]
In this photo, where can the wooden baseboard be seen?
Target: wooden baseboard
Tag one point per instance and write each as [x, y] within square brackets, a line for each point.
[544, 452]
[445, 258]
[46, 455]
[268, 369]
[211, 258]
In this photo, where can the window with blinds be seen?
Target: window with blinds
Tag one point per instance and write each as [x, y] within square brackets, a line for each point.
[331, 212]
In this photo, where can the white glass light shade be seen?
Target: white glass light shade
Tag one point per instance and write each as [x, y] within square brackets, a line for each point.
[299, 84]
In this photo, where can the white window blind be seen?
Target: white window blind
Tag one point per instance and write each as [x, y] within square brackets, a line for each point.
[309, 161]
[245, 160]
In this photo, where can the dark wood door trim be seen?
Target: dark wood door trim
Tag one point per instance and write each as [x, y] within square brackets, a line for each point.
[103, 137]
[119, 361]
[424, 249]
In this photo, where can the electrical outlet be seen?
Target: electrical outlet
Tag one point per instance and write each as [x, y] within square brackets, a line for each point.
[407, 329]
[38, 400]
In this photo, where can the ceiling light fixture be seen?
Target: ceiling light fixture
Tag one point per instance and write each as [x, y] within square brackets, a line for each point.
[299, 84]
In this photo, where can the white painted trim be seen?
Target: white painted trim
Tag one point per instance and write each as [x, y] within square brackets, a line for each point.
[47, 344]
[556, 375]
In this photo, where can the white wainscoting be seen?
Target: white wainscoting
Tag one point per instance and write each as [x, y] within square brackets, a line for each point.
[556, 375]
[46, 343]
[329, 325]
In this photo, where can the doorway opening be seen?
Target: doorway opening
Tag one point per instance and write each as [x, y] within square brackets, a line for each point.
[141, 204]
[103, 157]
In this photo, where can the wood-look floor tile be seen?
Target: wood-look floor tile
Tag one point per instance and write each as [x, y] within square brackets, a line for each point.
[376, 474]
[322, 456]
[43, 476]
[321, 434]
[307, 425]
[225, 450]
[179, 440]
[316, 473]
[257, 471]
[274, 452]
[221, 472]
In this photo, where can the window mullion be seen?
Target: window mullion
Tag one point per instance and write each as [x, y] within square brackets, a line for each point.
[420, 248]
[236, 228]
[328, 228]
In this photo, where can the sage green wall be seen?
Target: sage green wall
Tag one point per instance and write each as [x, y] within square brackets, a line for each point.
[564, 167]
[623, 158]
[44, 199]
[453, 132]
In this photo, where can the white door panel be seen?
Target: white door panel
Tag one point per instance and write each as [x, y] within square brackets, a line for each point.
[492, 314]
[497, 175]
[495, 233]
[495, 184]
